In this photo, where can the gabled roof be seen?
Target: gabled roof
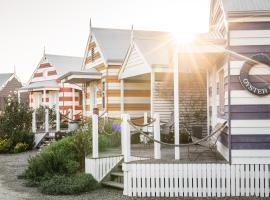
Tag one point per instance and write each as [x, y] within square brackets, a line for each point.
[246, 5]
[155, 51]
[64, 64]
[4, 78]
[114, 43]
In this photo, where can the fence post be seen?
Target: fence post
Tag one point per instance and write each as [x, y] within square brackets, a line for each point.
[34, 123]
[157, 153]
[46, 120]
[126, 137]
[95, 135]
[57, 120]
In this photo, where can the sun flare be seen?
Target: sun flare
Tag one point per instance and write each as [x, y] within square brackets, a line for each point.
[183, 37]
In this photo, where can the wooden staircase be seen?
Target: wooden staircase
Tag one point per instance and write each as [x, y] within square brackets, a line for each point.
[115, 178]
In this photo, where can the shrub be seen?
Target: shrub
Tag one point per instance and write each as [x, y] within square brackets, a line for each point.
[5, 145]
[15, 125]
[20, 147]
[64, 185]
[58, 158]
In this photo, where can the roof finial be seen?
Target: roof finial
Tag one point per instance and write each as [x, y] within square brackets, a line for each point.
[14, 69]
[132, 34]
[44, 50]
[90, 24]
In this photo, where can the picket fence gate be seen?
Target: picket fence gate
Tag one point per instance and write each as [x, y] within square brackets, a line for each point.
[195, 180]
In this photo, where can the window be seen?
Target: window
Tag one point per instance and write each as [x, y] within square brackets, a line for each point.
[221, 91]
[103, 94]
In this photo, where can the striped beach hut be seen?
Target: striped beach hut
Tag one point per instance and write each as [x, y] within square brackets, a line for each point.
[45, 89]
[105, 52]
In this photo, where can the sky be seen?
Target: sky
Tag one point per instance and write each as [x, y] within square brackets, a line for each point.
[62, 26]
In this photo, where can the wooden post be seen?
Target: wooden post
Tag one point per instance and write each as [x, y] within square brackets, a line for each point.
[44, 98]
[176, 103]
[126, 137]
[34, 123]
[73, 103]
[83, 104]
[57, 120]
[95, 135]
[122, 96]
[46, 120]
[19, 96]
[157, 153]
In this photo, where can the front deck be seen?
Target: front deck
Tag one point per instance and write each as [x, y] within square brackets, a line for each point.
[191, 154]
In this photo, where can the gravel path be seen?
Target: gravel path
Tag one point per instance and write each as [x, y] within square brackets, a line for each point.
[12, 188]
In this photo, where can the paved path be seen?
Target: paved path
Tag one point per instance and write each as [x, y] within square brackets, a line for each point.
[13, 189]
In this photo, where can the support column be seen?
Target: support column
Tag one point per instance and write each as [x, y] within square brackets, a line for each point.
[152, 86]
[92, 98]
[46, 120]
[57, 120]
[34, 123]
[157, 152]
[73, 103]
[125, 137]
[44, 98]
[30, 99]
[19, 96]
[176, 103]
[95, 135]
[83, 103]
[122, 96]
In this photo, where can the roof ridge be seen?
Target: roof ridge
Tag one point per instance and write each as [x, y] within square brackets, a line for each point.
[121, 29]
[47, 54]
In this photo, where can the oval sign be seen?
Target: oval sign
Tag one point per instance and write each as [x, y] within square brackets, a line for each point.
[261, 90]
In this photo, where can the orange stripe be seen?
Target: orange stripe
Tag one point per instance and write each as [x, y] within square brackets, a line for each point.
[114, 66]
[89, 58]
[128, 107]
[137, 93]
[113, 93]
[91, 45]
[100, 67]
[136, 81]
[112, 79]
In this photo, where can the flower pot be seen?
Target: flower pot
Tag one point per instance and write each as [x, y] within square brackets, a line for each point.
[72, 126]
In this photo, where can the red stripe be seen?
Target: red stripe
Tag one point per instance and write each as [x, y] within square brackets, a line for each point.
[44, 65]
[70, 107]
[51, 73]
[65, 89]
[38, 75]
[68, 98]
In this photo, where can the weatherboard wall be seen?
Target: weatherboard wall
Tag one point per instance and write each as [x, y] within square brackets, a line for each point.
[249, 114]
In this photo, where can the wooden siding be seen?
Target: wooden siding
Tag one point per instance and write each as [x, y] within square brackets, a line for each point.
[12, 86]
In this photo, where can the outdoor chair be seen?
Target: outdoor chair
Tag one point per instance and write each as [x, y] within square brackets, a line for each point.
[210, 143]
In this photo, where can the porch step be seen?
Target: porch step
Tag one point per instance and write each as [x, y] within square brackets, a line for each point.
[113, 184]
[117, 174]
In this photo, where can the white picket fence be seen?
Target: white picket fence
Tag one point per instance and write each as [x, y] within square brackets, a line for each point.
[195, 180]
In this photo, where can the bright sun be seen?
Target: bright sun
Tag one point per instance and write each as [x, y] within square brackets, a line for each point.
[183, 37]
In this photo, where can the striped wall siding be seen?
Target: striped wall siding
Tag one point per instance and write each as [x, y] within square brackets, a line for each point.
[62, 97]
[250, 114]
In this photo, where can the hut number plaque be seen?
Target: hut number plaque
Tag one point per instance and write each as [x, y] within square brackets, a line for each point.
[259, 90]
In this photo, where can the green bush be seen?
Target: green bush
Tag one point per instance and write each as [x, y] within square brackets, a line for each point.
[5, 145]
[64, 185]
[58, 158]
[15, 125]
[20, 147]
[185, 138]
